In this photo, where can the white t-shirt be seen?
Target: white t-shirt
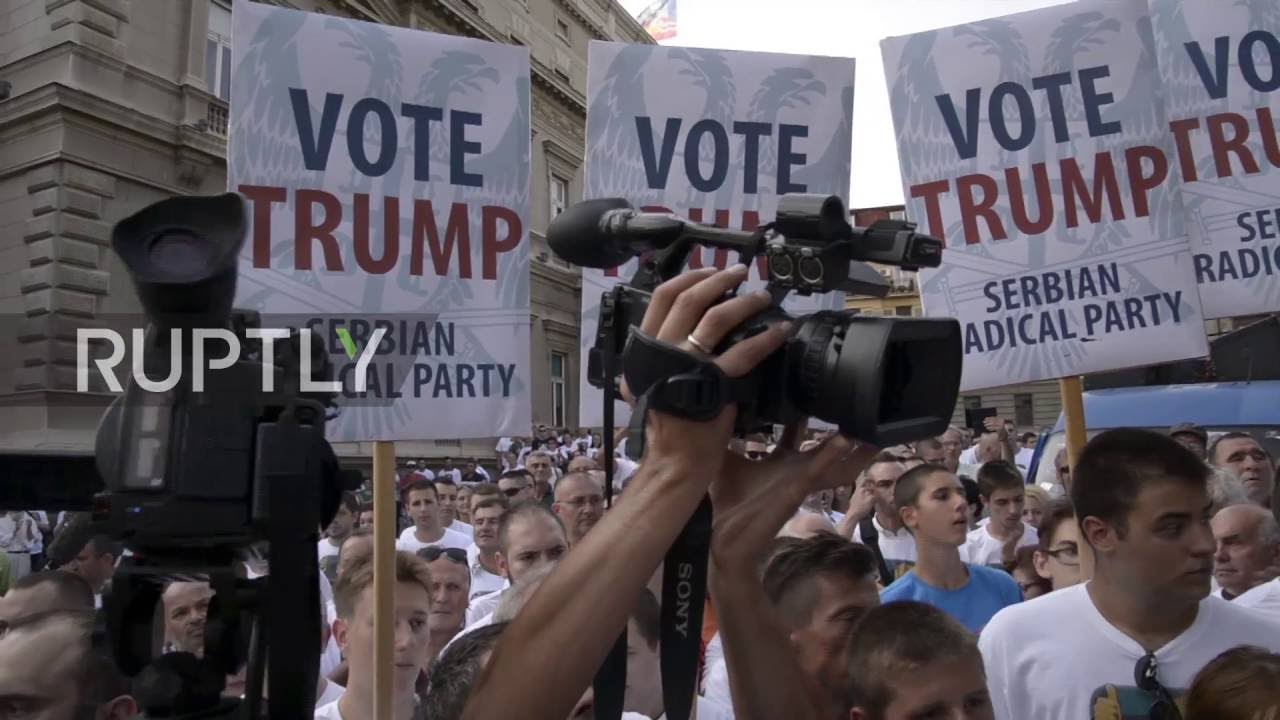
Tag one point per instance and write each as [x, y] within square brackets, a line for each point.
[504, 444]
[483, 582]
[409, 542]
[969, 470]
[324, 549]
[898, 548]
[484, 605]
[328, 711]
[708, 710]
[454, 473]
[332, 694]
[969, 456]
[1264, 598]
[981, 548]
[1057, 658]
[1023, 459]
[462, 528]
[716, 686]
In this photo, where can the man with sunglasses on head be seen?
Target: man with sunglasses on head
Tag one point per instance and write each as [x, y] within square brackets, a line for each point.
[450, 595]
[1129, 641]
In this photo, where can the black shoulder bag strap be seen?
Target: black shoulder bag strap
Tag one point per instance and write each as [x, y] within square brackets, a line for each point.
[871, 538]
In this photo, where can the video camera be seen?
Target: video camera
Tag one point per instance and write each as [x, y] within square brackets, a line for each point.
[882, 380]
[194, 483]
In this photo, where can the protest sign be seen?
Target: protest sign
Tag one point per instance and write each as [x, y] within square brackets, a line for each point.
[715, 136]
[387, 176]
[1036, 147]
[1220, 68]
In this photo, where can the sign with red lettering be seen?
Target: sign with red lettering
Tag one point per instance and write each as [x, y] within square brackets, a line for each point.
[1220, 63]
[1036, 146]
[387, 175]
[715, 136]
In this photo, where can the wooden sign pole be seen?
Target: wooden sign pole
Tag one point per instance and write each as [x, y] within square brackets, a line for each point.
[1072, 392]
[384, 578]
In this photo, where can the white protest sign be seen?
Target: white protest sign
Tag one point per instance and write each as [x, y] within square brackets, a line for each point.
[1220, 67]
[715, 136]
[1035, 146]
[387, 174]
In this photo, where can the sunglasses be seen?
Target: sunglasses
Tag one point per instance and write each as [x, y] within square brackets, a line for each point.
[756, 454]
[430, 554]
[1146, 677]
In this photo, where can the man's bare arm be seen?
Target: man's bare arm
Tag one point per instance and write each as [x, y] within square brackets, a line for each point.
[752, 502]
[581, 609]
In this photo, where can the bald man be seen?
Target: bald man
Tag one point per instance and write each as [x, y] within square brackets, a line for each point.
[1248, 548]
[579, 504]
[806, 525]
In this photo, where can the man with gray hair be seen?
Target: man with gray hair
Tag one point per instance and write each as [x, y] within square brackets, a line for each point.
[1248, 549]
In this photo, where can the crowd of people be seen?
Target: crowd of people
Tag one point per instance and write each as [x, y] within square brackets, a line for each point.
[922, 581]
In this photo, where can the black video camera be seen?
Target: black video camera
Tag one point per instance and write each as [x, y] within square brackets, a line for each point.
[196, 481]
[882, 380]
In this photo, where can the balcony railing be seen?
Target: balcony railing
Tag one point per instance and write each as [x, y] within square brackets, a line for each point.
[217, 117]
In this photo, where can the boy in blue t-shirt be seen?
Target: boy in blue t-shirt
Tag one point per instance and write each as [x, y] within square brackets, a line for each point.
[933, 507]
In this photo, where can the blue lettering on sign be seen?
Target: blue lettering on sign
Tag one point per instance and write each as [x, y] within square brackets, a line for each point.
[657, 160]
[1216, 79]
[315, 142]
[386, 137]
[964, 132]
[719, 154]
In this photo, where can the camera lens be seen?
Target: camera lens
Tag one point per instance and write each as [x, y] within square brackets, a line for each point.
[181, 253]
[881, 380]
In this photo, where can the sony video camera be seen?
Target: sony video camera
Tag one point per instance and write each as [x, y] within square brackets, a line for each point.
[882, 380]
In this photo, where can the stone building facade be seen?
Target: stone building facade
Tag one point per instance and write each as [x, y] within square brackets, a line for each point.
[109, 105]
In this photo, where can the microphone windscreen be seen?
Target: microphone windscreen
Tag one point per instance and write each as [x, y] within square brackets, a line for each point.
[576, 235]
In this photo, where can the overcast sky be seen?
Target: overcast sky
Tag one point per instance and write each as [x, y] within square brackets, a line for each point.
[843, 28]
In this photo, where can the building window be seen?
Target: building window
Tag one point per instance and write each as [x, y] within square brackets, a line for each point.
[562, 31]
[559, 195]
[897, 214]
[217, 51]
[902, 311]
[1023, 410]
[559, 362]
[972, 402]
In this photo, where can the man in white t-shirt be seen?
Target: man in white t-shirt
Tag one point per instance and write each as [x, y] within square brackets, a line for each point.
[1004, 494]
[486, 569]
[1139, 631]
[424, 508]
[344, 521]
[1248, 549]
[450, 593]
[530, 537]
[1241, 454]
[353, 630]
[447, 492]
[449, 471]
[579, 504]
[885, 534]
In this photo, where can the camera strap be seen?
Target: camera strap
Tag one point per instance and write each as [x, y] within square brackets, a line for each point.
[684, 594]
[680, 383]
